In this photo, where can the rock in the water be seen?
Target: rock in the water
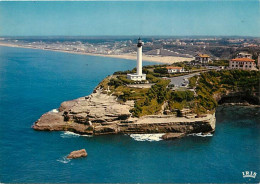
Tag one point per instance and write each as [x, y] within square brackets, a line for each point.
[170, 136]
[77, 154]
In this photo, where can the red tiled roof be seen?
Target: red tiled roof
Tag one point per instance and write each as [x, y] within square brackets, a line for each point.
[173, 67]
[204, 55]
[243, 60]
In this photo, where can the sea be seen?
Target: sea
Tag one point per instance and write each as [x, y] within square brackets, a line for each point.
[33, 82]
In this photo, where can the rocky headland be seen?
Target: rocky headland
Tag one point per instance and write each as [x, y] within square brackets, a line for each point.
[101, 113]
[117, 107]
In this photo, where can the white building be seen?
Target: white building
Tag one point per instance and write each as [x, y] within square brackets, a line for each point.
[172, 69]
[138, 76]
[244, 55]
[242, 64]
[202, 58]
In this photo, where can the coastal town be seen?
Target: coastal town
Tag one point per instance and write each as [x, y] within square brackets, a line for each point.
[159, 49]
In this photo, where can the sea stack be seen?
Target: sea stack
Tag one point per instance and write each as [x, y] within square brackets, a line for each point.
[138, 76]
[77, 154]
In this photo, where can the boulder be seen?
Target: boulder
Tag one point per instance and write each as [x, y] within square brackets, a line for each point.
[77, 154]
[170, 136]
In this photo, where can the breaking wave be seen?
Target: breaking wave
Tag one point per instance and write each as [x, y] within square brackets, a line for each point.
[147, 137]
[201, 135]
[68, 134]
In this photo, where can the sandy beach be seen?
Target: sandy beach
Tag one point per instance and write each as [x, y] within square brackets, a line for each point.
[157, 59]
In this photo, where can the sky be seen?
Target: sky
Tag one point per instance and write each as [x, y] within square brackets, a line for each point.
[128, 18]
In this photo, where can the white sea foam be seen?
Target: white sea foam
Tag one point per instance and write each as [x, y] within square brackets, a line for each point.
[54, 111]
[147, 137]
[68, 134]
[64, 160]
[201, 135]
[86, 135]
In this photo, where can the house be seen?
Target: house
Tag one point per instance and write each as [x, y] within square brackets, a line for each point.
[244, 55]
[202, 58]
[242, 63]
[173, 69]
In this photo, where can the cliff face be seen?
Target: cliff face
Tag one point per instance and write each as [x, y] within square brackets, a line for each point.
[237, 98]
[99, 114]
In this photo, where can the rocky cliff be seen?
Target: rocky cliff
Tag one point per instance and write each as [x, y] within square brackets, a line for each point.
[238, 98]
[100, 113]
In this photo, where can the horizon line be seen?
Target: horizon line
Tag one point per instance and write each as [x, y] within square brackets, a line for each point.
[129, 0]
[55, 36]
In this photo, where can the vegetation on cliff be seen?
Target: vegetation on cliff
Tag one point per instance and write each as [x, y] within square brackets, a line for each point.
[202, 100]
[214, 83]
[161, 71]
[219, 63]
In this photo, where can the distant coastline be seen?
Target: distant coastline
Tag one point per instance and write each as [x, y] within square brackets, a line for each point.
[157, 59]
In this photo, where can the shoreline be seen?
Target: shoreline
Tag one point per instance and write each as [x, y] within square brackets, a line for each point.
[149, 58]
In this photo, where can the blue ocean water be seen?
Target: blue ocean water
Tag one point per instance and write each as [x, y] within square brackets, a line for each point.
[33, 82]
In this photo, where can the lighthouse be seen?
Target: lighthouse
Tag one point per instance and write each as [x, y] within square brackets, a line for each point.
[138, 76]
[139, 57]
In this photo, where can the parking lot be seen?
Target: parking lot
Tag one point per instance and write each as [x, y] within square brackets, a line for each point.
[182, 81]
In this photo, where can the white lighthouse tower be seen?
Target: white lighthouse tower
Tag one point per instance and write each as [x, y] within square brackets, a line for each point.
[138, 76]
